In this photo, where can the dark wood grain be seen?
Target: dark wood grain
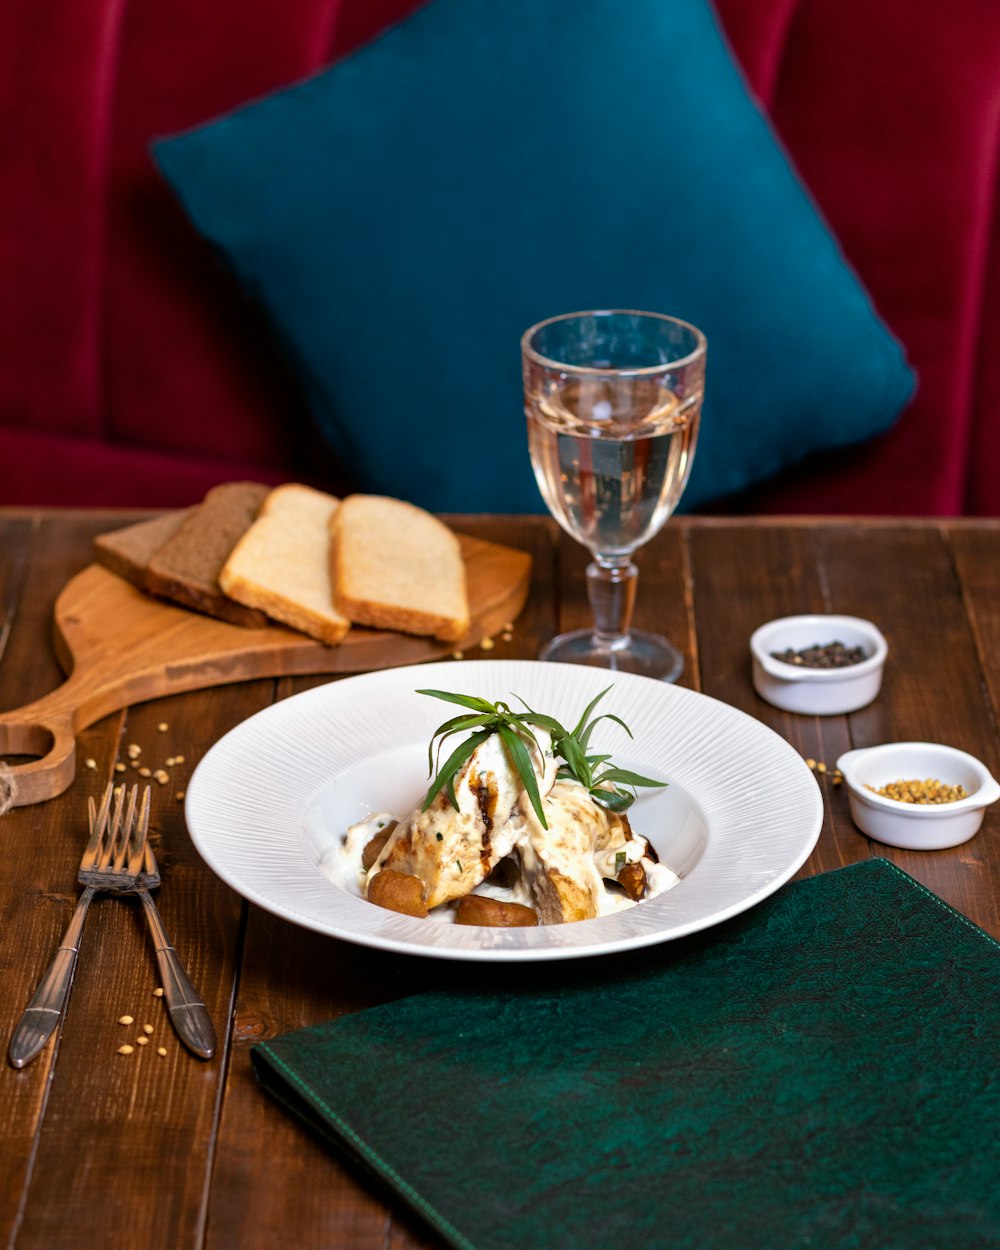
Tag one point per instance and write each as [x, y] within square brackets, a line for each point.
[103, 1150]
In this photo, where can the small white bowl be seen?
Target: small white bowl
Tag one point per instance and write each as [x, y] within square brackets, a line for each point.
[817, 691]
[917, 826]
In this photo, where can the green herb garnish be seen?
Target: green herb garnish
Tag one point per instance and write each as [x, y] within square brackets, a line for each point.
[603, 779]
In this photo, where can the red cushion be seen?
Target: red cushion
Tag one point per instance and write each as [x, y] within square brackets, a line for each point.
[121, 342]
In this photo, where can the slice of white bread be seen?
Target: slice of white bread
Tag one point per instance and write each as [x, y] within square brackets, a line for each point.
[281, 565]
[395, 566]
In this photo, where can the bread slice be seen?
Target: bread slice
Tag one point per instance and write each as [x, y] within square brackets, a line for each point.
[281, 565]
[186, 567]
[128, 551]
[396, 566]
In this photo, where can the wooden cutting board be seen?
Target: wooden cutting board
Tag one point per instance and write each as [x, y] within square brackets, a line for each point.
[120, 646]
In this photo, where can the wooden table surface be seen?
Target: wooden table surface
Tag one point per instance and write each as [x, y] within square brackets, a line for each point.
[100, 1150]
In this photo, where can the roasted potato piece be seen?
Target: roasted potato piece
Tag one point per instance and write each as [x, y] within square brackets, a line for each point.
[374, 848]
[632, 880]
[398, 891]
[475, 909]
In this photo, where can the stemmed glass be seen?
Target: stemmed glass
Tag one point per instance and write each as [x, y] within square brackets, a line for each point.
[613, 400]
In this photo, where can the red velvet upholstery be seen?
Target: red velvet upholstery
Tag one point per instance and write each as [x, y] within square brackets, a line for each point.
[133, 372]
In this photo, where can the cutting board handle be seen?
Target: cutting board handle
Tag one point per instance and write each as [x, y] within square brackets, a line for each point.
[44, 729]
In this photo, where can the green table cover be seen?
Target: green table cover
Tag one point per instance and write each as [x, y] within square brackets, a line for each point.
[819, 1072]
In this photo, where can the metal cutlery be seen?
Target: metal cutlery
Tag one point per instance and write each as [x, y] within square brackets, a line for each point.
[187, 1012]
[112, 861]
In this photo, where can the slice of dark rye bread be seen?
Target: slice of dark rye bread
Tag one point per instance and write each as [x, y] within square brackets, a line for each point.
[128, 551]
[178, 556]
[186, 568]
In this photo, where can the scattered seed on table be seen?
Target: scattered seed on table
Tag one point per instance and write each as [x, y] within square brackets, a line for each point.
[147, 1028]
[161, 1050]
[158, 992]
[179, 796]
[126, 1049]
[133, 751]
[126, 1019]
[810, 764]
[821, 768]
[161, 776]
[487, 644]
[507, 637]
[141, 1040]
[162, 727]
[119, 767]
[458, 655]
[145, 772]
[508, 626]
[178, 759]
[91, 764]
[169, 762]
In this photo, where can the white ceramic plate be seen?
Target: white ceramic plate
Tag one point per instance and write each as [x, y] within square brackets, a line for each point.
[739, 816]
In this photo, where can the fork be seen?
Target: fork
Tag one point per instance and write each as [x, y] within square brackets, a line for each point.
[188, 1013]
[109, 863]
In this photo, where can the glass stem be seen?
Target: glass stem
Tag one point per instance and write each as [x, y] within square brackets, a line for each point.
[611, 583]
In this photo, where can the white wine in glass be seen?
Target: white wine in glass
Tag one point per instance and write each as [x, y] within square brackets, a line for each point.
[613, 400]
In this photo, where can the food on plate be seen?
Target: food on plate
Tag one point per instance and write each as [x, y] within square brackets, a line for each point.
[396, 566]
[281, 564]
[399, 892]
[477, 909]
[523, 824]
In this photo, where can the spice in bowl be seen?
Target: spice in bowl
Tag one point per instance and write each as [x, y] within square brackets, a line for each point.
[826, 655]
[930, 790]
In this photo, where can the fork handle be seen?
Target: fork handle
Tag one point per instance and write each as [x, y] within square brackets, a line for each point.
[188, 1013]
[48, 1003]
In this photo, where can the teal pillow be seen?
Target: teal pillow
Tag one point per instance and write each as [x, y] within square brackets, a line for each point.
[406, 214]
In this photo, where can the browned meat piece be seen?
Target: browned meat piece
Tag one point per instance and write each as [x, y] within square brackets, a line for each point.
[632, 879]
[398, 891]
[474, 909]
[374, 848]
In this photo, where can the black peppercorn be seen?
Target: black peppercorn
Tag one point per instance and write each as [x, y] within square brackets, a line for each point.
[828, 655]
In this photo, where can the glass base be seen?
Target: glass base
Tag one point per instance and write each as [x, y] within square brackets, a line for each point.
[649, 655]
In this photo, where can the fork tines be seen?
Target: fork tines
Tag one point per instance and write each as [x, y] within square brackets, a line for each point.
[116, 818]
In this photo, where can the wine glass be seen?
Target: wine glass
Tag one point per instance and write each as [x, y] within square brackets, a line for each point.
[613, 399]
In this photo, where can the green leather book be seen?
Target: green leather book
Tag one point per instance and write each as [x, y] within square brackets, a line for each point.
[819, 1072]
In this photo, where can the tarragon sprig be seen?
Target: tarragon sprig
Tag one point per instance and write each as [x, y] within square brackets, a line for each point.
[603, 779]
